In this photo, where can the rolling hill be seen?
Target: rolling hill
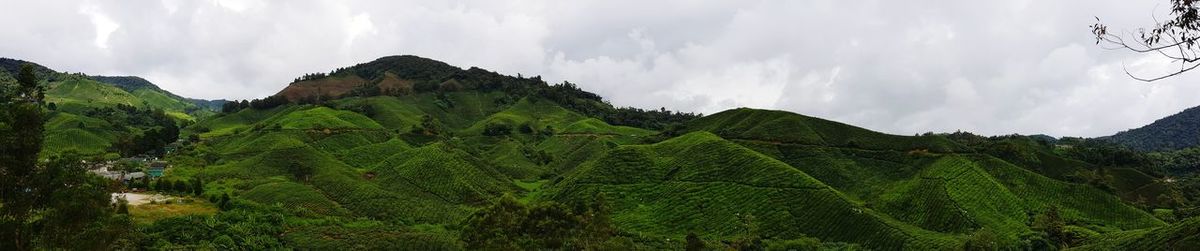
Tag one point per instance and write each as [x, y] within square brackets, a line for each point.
[411, 151]
[87, 111]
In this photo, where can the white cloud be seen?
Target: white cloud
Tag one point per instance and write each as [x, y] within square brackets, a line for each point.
[104, 26]
[359, 25]
[900, 67]
[239, 5]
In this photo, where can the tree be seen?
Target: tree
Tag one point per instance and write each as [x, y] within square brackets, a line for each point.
[497, 129]
[181, 186]
[1174, 39]
[224, 203]
[694, 243]
[74, 208]
[982, 239]
[497, 226]
[749, 239]
[597, 221]
[1054, 226]
[300, 170]
[197, 187]
[550, 225]
[28, 83]
[429, 126]
[122, 206]
[21, 141]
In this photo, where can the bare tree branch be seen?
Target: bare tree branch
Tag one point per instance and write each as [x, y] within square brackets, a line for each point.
[1181, 32]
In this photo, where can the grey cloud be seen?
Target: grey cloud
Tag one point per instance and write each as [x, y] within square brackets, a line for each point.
[907, 67]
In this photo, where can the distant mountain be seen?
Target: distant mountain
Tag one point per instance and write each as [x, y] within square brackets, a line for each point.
[134, 84]
[214, 104]
[384, 75]
[408, 75]
[12, 66]
[130, 84]
[1174, 132]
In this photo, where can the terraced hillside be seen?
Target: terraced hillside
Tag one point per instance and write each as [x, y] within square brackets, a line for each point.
[787, 127]
[418, 153]
[700, 182]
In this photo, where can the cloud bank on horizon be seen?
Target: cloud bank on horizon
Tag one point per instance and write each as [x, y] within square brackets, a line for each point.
[993, 67]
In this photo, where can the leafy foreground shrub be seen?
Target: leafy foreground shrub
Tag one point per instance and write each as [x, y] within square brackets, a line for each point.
[355, 236]
[510, 225]
[242, 228]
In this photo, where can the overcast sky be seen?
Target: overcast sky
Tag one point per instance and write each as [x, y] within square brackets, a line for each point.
[902, 67]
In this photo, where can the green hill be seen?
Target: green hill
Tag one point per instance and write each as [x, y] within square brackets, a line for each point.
[700, 182]
[84, 135]
[412, 150]
[787, 127]
[322, 118]
[1180, 236]
[75, 94]
[93, 115]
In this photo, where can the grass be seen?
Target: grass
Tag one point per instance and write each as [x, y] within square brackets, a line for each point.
[532, 189]
[145, 214]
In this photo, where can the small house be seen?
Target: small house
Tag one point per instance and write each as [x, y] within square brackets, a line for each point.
[156, 169]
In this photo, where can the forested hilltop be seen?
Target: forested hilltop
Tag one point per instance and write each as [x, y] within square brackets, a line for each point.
[1175, 132]
[408, 153]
